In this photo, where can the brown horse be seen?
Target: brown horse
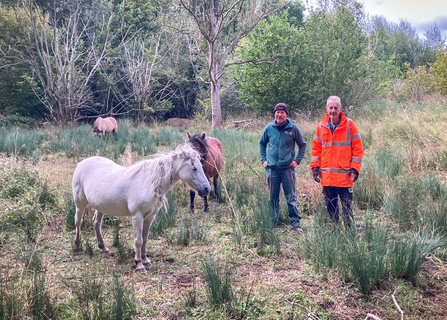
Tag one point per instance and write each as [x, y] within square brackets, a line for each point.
[104, 125]
[211, 152]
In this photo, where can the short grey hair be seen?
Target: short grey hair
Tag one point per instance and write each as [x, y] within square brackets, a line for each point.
[334, 98]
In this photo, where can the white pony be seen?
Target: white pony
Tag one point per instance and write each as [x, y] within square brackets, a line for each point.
[137, 191]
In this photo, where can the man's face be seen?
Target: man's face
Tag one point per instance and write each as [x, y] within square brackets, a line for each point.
[333, 109]
[280, 116]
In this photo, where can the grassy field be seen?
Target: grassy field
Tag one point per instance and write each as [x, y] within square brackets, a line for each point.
[231, 263]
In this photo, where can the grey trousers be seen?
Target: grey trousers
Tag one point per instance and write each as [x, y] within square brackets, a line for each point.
[286, 177]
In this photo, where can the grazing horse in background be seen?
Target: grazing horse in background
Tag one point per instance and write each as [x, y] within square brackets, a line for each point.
[211, 151]
[105, 125]
[137, 191]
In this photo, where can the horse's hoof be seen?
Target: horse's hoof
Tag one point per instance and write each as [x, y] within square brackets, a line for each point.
[206, 209]
[141, 270]
[147, 263]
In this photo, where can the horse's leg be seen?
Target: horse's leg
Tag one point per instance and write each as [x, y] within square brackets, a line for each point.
[216, 191]
[80, 208]
[97, 223]
[146, 227]
[205, 201]
[137, 225]
[192, 195]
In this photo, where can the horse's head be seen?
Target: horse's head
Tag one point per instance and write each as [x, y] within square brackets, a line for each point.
[191, 171]
[198, 142]
[96, 129]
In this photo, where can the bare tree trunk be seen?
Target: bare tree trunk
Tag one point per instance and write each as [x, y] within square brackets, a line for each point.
[221, 24]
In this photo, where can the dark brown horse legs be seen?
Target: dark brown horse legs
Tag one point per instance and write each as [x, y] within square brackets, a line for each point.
[192, 195]
[216, 192]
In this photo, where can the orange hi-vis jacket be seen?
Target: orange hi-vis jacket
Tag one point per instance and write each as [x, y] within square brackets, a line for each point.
[336, 153]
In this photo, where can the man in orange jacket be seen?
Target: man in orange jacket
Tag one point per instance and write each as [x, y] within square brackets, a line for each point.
[337, 153]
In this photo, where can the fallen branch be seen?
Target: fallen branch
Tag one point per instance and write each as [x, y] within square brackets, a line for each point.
[311, 316]
[371, 316]
[398, 307]
[257, 174]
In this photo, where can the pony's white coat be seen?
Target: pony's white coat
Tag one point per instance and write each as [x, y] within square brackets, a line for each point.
[137, 191]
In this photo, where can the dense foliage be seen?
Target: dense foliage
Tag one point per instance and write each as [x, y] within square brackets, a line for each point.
[69, 61]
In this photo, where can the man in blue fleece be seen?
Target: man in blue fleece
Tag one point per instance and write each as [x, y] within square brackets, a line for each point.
[280, 162]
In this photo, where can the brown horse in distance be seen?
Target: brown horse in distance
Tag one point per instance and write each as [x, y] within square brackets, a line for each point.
[105, 125]
[211, 151]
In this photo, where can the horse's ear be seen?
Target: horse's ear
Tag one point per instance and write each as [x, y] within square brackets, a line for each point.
[185, 154]
[203, 136]
[189, 136]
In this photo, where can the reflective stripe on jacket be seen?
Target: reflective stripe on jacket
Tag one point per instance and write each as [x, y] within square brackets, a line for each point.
[336, 153]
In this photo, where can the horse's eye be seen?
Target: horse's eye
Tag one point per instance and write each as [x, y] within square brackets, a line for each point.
[194, 168]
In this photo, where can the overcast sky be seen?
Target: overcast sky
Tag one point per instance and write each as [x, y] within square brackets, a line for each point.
[422, 14]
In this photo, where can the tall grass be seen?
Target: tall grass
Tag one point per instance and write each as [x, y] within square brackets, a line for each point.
[22, 142]
[217, 277]
[324, 243]
[165, 218]
[365, 257]
[408, 252]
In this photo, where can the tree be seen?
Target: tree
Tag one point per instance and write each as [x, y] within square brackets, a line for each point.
[439, 70]
[221, 24]
[142, 65]
[65, 59]
[275, 73]
[16, 96]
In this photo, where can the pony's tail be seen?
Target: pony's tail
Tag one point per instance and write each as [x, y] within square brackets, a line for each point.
[126, 157]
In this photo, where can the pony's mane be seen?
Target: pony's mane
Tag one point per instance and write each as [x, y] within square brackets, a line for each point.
[197, 138]
[160, 167]
[160, 161]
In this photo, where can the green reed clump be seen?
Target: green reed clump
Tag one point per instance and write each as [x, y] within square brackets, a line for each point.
[402, 200]
[263, 225]
[434, 215]
[142, 141]
[242, 144]
[76, 141]
[97, 298]
[369, 189]
[11, 299]
[31, 257]
[217, 277]
[21, 142]
[123, 300]
[409, 200]
[388, 164]
[170, 137]
[41, 306]
[324, 243]
[69, 210]
[190, 230]
[408, 252]
[365, 257]
[359, 258]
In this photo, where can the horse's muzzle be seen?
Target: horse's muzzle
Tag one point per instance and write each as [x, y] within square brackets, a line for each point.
[204, 190]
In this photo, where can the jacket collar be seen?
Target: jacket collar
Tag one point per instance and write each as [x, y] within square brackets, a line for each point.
[286, 123]
[326, 120]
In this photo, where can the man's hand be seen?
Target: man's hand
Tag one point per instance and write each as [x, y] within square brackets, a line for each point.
[355, 173]
[264, 164]
[317, 174]
[294, 164]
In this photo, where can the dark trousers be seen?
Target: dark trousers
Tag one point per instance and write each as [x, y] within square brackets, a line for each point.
[286, 177]
[331, 195]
